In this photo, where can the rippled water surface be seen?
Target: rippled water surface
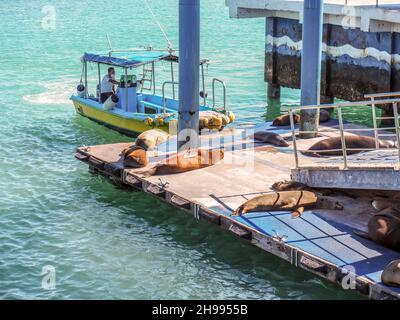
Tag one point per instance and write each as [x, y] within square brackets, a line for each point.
[103, 241]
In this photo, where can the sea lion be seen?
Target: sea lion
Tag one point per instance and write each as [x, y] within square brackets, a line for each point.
[135, 157]
[284, 120]
[150, 139]
[298, 201]
[352, 142]
[391, 274]
[382, 204]
[297, 186]
[183, 162]
[290, 186]
[324, 116]
[271, 138]
[384, 229]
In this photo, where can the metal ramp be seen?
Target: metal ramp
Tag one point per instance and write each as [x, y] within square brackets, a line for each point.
[372, 169]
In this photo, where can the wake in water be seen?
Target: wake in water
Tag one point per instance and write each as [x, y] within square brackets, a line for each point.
[54, 93]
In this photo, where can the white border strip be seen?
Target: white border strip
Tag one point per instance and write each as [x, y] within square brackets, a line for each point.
[337, 51]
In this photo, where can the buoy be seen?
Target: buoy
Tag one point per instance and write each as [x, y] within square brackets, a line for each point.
[149, 121]
[80, 90]
[203, 94]
[159, 122]
[111, 102]
[231, 116]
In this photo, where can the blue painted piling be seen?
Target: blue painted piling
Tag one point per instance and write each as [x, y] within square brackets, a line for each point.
[313, 18]
[189, 73]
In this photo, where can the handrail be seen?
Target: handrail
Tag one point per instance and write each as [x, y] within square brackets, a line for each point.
[357, 104]
[382, 95]
[224, 89]
[173, 83]
[376, 3]
[342, 130]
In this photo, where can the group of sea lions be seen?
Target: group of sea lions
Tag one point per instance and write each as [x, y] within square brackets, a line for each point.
[383, 227]
[326, 147]
[136, 156]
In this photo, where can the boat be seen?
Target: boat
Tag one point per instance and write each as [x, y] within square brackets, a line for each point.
[137, 105]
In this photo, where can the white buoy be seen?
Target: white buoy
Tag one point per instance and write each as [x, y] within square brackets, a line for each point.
[111, 102]
[80, 90]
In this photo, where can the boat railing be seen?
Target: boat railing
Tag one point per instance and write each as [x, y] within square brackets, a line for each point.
[214, 81]
[164, 99]
[343, 127]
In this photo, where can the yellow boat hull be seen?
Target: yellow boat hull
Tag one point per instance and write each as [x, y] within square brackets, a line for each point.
[128, 126]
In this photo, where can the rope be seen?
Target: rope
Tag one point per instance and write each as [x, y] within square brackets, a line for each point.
[159, 25]
[83, 71]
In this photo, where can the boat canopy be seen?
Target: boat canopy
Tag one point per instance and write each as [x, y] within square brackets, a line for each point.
[128, 59]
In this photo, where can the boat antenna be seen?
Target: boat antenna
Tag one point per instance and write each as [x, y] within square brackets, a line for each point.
[109, 42]
[170, 48]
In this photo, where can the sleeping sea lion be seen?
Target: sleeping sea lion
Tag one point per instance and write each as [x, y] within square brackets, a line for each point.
[382, 204]
[352, 142]
[324, 116]
[391, 274]
[384, 229]
[298, 201]
[271, 138]
[183, 162]
[290, 186]
[284, 120]
[150, 139]
[135, 157]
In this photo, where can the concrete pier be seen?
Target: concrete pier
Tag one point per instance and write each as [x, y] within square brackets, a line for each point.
[361, 44]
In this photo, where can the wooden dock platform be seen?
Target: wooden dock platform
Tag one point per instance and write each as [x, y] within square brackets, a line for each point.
[321, 242]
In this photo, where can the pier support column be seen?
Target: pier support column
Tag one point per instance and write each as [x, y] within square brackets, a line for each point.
[189, 74]
[274, 91]
[311, 64]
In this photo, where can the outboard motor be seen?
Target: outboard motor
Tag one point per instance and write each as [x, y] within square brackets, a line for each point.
[111, 102]
[80, 90]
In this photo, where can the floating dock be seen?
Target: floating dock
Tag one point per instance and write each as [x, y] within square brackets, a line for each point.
[321, 241]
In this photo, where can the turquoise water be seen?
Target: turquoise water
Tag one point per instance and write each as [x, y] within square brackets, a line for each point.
[106, 243]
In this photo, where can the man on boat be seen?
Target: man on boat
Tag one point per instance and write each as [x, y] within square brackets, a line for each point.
[107, 85]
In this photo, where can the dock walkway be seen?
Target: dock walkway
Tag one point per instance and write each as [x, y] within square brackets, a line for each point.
[321, 242]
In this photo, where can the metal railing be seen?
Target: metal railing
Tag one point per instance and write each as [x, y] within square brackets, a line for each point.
[224, 91]
[376, 2]
[164, 100]
[342, 129]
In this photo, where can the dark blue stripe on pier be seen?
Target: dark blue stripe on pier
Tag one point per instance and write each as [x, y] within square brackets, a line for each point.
[323, 238]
